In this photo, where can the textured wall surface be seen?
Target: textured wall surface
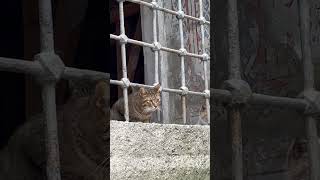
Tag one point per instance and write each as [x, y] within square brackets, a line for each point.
[271, 64]
[169, 67]
[157, 151]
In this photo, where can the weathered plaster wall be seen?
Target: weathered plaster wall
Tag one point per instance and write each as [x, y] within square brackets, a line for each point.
[170, 71]
[159, 151]
[271, 64]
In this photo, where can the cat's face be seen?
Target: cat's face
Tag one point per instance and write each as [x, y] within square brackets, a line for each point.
[150, 99]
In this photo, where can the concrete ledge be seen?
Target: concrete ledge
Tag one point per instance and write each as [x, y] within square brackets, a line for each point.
[159, 151]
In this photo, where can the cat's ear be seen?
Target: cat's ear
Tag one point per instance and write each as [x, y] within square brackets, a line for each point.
[157, 88]
[142, 91]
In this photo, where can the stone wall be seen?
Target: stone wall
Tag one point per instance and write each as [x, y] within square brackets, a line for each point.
[159, 151]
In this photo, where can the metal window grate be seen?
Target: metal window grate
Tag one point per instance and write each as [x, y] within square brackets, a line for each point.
[308, 101]
[157, 48]
[49, 68]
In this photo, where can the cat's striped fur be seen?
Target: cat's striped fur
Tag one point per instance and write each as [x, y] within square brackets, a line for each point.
[142, 104]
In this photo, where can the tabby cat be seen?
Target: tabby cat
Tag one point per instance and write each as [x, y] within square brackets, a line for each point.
[142, 104]
[83, 125]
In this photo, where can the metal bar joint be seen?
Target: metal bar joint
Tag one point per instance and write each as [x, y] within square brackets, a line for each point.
[52, 65]
[240, 91]
[312, 97]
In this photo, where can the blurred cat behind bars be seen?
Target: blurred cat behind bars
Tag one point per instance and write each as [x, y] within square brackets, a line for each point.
[83, 131]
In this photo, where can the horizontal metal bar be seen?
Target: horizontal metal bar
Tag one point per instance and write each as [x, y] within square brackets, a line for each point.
[295, 103]
[120, 83]
[141, 43]
[35, 68]
[150, 5]
[83, 74]
[20, 66]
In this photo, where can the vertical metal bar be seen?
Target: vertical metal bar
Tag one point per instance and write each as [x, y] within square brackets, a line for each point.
[234, 73]
[205, 63]
[304, 13]
[183, 78]
[124, 63]
[45, 22]
[155, 40]
[233, 40]
[52, 145]
[237, 161]
[313, 147]
[48, 95]
[156, 52]
[311, 126]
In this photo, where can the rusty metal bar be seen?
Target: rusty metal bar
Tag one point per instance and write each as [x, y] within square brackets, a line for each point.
[235, 73]
[48, 95]
[311, 124]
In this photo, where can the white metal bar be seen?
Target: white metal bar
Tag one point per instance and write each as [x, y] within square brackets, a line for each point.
[145, 44]
[150, 5]
[177, 91]
[124, 64]
[205, 63]
[156, 51]
[183, 78]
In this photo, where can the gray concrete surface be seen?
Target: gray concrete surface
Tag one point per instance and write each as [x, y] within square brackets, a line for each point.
[141, 151]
